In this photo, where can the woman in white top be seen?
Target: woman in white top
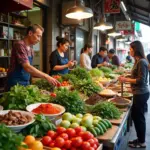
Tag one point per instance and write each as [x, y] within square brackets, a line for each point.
[85, 61]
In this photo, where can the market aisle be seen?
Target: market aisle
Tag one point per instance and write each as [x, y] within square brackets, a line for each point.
[132, 135]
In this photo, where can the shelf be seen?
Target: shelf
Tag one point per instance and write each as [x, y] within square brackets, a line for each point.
[3, 39]
[4, 23]
[17, 26]
[17, 15]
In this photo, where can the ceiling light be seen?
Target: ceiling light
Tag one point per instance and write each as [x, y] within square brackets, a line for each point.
[103, 26]
[79, 11]
[123, 5]
[113, 33]
[128, 41]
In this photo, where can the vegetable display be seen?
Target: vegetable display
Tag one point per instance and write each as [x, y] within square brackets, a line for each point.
[106, 69]
[44, 84]
[106, 110]
[87, 87]
[96, 72]
[70, 100]
[8, 139]
[19, 97]
[69, 77]
[40, 127]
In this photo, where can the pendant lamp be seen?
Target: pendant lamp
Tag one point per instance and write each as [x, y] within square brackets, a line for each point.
[128, 41]
[113, 33]
[79, 11]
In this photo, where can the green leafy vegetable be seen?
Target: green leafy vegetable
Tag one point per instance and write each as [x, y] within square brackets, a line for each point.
[8, 139]
[69, 77]
[106, 110]
[19, 97]
[70, 100]
[106, 69]
[40, 127]
[96, 72]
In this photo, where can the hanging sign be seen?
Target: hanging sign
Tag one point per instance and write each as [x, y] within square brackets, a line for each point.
[129, 32]
[123, 25]
[26, 3]
[112, 6]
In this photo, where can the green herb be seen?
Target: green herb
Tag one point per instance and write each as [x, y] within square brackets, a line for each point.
[81, 73]
[87, 87]
[70, 100]
[106, 110]
[106, 69]
[69, 77]
[40, 127]
[43, 84]
[8, 139]
[19, 97]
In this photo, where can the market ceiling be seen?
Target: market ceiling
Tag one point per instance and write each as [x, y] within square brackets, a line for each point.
[139, 10]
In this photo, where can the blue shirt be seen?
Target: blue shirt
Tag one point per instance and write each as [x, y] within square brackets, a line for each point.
[97, 59]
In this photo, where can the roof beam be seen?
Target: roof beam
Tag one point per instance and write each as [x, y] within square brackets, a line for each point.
[141, 21]
[132, 12]
[146, 20]
[139, 7]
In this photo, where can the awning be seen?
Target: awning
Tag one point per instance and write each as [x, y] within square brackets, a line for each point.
[15, 5]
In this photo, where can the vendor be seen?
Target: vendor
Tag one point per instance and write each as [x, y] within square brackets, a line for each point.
[21, 68]
[85, 61]
[59, 62]
[99, 59]
[140, 90]
[113, 59]
[128, 58]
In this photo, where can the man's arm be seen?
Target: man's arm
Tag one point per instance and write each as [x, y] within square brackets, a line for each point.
[35, 72]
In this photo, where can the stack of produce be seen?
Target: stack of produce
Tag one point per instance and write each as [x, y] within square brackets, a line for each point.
[70, 139]
[94, 124]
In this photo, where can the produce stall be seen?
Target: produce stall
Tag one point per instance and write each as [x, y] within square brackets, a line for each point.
[86, 111]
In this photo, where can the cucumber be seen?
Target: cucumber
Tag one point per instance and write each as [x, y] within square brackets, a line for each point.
[103, 126]
[92, 130]
[97, 130]
[105, 123]
[108, 122]
[100, 128]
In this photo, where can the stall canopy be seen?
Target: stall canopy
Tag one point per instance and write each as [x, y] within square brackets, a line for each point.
[139, 10]
[15, 5]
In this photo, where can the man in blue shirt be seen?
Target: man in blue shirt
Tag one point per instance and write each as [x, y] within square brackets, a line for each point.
[99, 60]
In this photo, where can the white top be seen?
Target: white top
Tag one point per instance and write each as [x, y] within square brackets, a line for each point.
[85, 61]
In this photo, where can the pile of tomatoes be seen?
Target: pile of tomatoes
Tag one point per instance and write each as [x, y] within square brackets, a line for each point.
[70, 139]
[65, 83]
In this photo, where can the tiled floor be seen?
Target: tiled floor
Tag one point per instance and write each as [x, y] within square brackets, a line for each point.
[132, 134]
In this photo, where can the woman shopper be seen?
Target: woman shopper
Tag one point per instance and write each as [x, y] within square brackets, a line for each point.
[85, 61]
[59, 62]
[139, 86]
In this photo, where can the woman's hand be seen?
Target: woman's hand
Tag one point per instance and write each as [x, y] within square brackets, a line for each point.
[52, 80]
[122, 79]
[70, 64]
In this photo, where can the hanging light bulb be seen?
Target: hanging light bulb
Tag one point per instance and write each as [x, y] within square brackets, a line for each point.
[102, 25]
[79, 11]
[113, 33]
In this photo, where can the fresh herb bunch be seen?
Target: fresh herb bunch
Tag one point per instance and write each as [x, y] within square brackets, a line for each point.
[44, 84]
[106, 110]
[69, 77]
[87, 87]
[8, 139]
[106, 69]
[70, 100]
[81, 73]
[19, 97]
[40, 127]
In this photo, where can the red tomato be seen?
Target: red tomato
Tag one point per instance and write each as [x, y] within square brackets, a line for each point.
[64, 136]
[96, 141]
[52, 143]
[46, 140]
[90, 148]
[68, 144]
[78, 130]
[91, 141]
[51, 133]
[59, 142]
[60, 130]
[53, 95]
[87, 135]
[73, 148]
[71, 132]
[85, 145]
[77, 141]
[95, 146]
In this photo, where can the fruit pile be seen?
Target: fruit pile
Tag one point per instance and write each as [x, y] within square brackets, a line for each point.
[65, 83]
[30, 143]
[73, 139]
[87, 122]
[3, 69]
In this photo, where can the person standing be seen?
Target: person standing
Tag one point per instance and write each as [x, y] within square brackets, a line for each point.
[148, 58]
[113, 58]
[58, 60]
[98, 60]
[128, 58]
[140, 92]
[21, 69]
[85, 61]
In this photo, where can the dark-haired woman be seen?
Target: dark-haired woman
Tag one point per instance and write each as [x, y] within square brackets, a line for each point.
[85, 60]
[139, 85]
[59, 62]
